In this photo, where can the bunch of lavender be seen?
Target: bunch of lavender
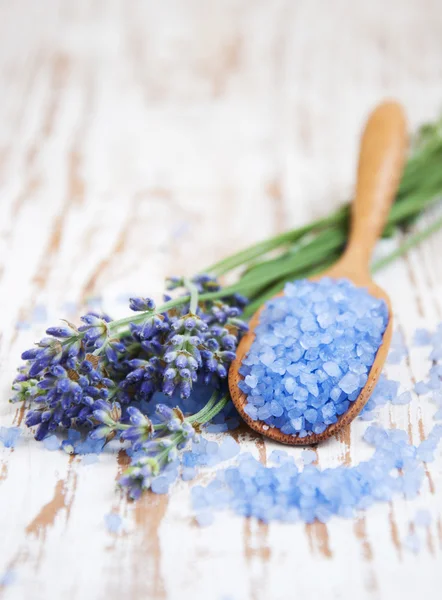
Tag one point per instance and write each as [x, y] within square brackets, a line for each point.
[96, 376]
[99, 376]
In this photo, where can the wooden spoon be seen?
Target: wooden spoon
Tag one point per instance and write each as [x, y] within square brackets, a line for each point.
[381, 160]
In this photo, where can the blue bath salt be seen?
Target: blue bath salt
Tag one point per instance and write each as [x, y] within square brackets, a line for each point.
[422, 337]
[398, 350]
[421, 388]
[9, 436]
[52, 443]
[160, 485]
[386, 390]
[113, 522]
[188, 473]
[204, 518]
[282, 492]
[7, 578]
[311, 356]
[412, 542]
[422, 518]
[308, 457]
[404, 398]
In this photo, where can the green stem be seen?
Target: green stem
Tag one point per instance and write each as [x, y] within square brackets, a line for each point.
[196, 418]
[120, 326]
[214, 411]
[316, 251]
[257, 250]
[193, 295]
[310, 247]
[311, 258]
[176, 439]
[271, 291]
[415, 192]
[410, 242]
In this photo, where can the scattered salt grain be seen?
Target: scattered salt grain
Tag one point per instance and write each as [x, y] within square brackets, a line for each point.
[422, 518]
[421, 388]
[204, 518]
[90, 459]
[436, 353]
[385, 391]
[437, 398]
[412, 542]
[52, 443]
[8, 578]
[284, 493]
[279, 456]
[308, 456]
[217, 428]
[9, 436]
[212, 447]
[228, 449]
[160, 485]
[39, 314]
[404, 398]
[188, 473]
[113, 522]
[89, 446]
[394, 357]
[422, 337]
[398, 349]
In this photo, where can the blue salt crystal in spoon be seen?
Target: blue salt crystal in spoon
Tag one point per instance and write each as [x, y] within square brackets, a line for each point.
[300, 392]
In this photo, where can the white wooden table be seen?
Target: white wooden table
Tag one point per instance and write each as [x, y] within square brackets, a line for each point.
[139, 139]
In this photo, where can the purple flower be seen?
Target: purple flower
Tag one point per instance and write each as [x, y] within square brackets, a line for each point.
[141, 304]
[138, 477]
[95, 330]
[141, 428]
[99, 374]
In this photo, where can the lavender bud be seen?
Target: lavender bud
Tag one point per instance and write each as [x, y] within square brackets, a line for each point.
[170, 373]
[170, 356]
[164, 411]
[141, 304]
[100, 432]
[181, 361]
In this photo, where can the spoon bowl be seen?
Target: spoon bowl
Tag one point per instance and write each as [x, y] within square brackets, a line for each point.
[381, 160]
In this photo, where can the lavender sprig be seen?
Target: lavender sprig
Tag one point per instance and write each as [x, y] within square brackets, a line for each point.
[161, 448]
[75, 377]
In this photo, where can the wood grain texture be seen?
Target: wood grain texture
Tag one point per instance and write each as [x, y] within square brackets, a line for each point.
[130, 134]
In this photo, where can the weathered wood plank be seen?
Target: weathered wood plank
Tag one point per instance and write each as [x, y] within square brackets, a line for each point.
[139, 139]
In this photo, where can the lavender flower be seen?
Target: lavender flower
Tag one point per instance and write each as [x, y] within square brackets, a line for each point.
[174, 421]
[108, 417]
[203, 282]
[141, 304]
[138, 477]
[143, 377]
[95, 330]
[65, 396]
[99, 375]
[154, 450]
[182, 354]
[141, 428]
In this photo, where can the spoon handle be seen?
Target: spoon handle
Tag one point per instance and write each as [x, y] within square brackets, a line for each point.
[381, 160]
